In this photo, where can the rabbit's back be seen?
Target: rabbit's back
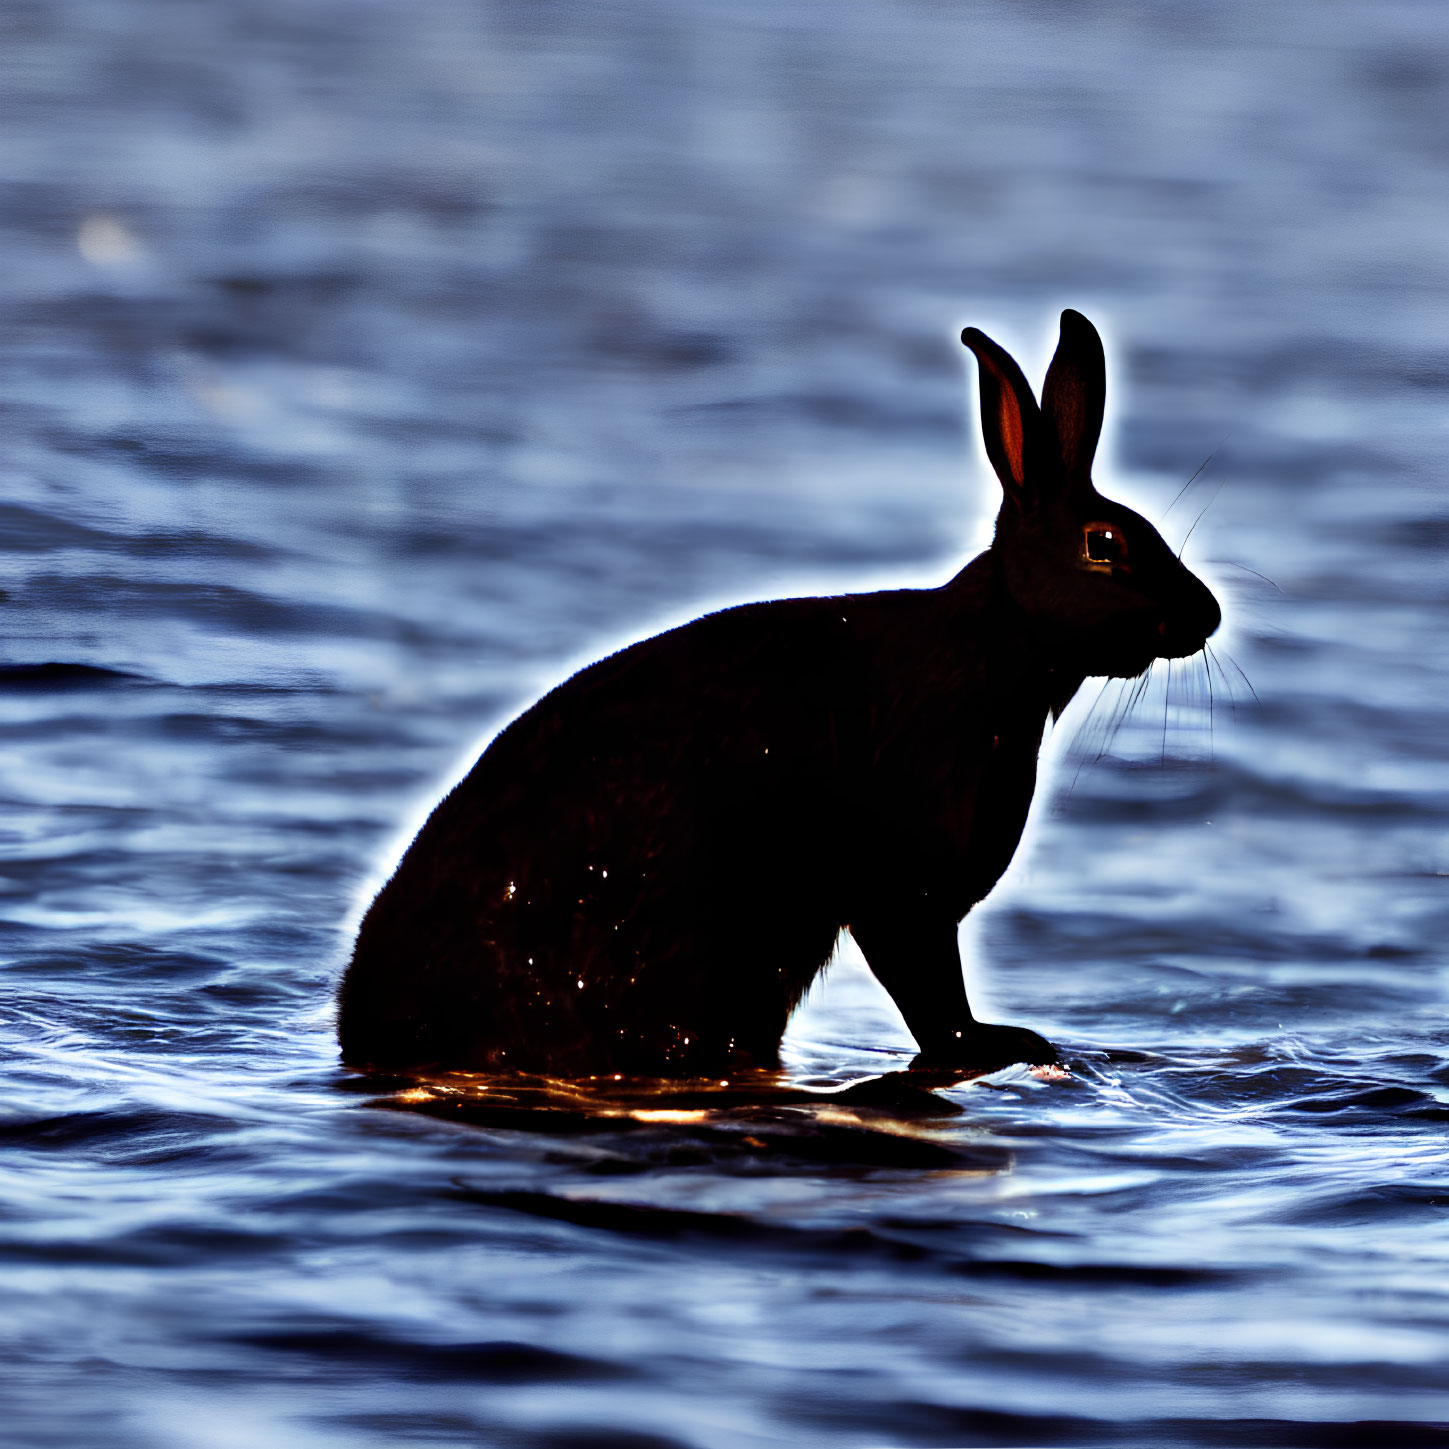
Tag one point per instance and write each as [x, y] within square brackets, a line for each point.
[599, 861]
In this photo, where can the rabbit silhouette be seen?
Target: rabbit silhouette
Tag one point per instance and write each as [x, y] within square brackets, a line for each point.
[644, 871]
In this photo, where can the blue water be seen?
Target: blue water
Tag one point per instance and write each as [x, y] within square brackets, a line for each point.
[364, 368]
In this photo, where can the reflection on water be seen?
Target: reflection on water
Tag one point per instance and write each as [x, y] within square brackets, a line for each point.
[362, 368]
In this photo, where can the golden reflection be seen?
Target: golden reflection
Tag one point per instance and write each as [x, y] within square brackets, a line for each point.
[1050, 1072]
[901, 1121]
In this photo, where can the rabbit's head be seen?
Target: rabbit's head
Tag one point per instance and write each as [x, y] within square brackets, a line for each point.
[1105, 594]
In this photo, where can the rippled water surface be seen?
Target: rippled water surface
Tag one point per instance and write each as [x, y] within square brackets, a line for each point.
[364, 368]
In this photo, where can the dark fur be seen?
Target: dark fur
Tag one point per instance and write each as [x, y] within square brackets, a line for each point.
[646, 870]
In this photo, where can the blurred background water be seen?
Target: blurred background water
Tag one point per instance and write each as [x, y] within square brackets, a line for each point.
[365, 367]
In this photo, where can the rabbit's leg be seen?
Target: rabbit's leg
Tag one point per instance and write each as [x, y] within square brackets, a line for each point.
[918, 960]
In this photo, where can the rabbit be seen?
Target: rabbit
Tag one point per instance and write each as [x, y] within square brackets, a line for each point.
[645, 870]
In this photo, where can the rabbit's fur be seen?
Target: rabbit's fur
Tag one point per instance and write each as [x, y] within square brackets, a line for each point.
[645, 871]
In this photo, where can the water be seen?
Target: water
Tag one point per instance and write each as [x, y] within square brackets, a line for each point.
[364, 368]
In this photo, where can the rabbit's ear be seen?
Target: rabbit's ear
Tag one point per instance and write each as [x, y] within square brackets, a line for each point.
[1075, 394]
[1010, 419]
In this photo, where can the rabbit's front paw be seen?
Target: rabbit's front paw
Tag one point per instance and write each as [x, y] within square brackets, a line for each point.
[986, 1048]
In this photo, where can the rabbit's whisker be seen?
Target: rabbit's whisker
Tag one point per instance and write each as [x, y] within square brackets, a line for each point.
[1199, 518]
[1081, 746]
[1197, 693]
[1233, 564]
[1124, 712]
[1243, 676]
[1126, 698]
[1197, 471]
[1097, 733]
[1090, 716]
[1213, 660]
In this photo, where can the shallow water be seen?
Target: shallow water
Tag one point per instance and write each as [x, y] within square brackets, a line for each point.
[365, 368]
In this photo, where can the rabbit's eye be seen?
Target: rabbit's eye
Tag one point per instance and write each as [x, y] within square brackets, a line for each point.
[1104, 547]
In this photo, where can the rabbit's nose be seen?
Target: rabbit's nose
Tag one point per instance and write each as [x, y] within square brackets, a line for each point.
[1211, 614]
[1186, 631]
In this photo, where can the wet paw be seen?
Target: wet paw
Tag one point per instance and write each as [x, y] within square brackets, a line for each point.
[986, 1048]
